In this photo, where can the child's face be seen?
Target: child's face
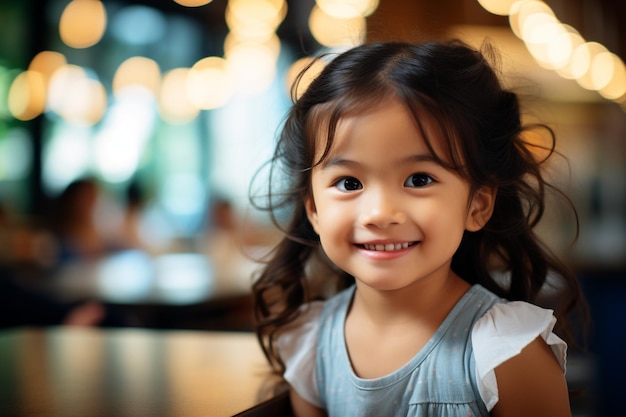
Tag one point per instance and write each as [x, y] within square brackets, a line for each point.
[385, 211]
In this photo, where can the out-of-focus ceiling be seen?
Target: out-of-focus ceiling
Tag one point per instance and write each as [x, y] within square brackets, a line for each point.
[596, 20]
[602, 21]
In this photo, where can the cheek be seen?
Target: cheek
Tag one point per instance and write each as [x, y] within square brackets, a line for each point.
[330, 220]
[449, 217]
[334, 224]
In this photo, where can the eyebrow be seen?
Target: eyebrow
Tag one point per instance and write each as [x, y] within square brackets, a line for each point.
[339, 161]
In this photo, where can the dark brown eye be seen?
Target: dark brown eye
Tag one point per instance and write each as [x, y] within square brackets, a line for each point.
[349, 184]
[418, 180]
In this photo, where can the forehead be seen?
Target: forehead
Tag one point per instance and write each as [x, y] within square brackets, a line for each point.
[390, 121]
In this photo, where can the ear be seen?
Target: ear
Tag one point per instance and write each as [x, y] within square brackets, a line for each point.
[311, 212]
[481, 208]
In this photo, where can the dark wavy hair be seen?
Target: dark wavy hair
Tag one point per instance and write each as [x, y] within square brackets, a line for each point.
[456, 87]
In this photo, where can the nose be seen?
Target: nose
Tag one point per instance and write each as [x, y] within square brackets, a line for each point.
[382, 209]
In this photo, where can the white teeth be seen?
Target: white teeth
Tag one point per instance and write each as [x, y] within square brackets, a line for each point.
[387, 247]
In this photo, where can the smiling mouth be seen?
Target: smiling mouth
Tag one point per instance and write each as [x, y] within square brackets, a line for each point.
[388, 247]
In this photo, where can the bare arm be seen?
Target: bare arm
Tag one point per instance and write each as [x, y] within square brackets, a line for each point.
[303, 408]
[532, 384]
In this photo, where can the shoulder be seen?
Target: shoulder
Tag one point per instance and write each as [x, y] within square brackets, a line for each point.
[303, 333]
[514, 325]
[297, 344]
[503, 333]
[297, 348]
[300, 336]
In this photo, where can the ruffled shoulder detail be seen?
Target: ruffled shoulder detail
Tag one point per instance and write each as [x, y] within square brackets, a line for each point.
[297, 346]
[502, 332]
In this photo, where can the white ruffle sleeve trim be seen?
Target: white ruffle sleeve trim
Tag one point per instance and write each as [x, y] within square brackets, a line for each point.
[297, 347]
[502, 333]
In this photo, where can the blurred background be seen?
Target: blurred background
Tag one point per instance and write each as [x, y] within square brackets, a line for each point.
[131, 131]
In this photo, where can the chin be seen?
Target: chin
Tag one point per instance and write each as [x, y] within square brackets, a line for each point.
[383, 285]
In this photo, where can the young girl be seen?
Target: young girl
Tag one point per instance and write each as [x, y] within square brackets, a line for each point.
[405, 171]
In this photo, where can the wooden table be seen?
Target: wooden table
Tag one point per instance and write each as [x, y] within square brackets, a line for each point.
[81, 372]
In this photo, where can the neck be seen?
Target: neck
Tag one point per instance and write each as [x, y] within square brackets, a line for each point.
[428, 301]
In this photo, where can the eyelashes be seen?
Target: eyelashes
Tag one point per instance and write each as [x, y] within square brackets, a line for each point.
[419, 180]
[347, 184]
[416, 180]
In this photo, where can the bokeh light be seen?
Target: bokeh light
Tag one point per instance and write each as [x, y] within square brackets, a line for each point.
[255, 19]
[312, 67]
[76, 97]
[603, 68]
[253, 67]
[46, 63]
[138, 25]
[336, 33]
[499, 7]
[126, 129]
[348, 9]
[193, 3]
[567, 70]
[561, 47]
[27, 95]
[137, 71]
[588, 52]
[174, 103]
[523, 10]
[82, 23]
[615, 89]
[209, 84]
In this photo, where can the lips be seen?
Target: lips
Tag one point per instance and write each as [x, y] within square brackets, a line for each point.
[387, 247]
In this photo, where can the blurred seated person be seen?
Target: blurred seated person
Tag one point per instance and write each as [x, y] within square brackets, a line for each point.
[73, 222]
[142, 225]
[134, 205]
[24, 252]
[235, 244]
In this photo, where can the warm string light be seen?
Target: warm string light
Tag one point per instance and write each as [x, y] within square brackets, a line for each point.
[561, 48]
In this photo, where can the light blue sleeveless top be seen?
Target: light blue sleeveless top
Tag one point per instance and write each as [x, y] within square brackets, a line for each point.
[439, 381]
